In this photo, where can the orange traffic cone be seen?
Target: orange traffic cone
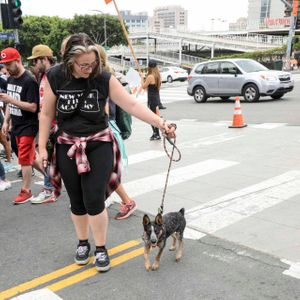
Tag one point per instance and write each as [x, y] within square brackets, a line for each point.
[237, 121]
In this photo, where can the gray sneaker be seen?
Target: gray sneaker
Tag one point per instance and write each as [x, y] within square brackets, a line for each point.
[82, 256]
[102, 261]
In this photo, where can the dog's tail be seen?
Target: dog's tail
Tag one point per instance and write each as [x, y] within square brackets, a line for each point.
[182, 211]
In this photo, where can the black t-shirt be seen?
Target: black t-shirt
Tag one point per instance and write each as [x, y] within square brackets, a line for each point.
[23, 88]
[3, 88]
[79, 113]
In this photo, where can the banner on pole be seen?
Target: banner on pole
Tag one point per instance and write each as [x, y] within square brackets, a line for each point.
[107, 1]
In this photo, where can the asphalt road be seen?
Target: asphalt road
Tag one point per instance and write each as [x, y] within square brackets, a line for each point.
[38, 242]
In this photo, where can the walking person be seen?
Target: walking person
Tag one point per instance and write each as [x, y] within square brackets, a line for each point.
[4, 184]
[152, 84]
[42, 60]
[76, 92]
[22, 98]
[3, 139]
[128, 205]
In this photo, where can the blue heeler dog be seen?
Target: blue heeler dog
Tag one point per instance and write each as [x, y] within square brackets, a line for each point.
[157, 232]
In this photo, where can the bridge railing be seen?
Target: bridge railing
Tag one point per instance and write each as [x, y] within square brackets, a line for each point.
[245, 41]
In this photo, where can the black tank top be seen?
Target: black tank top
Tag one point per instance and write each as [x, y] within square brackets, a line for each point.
[79, 113]
[153, 95]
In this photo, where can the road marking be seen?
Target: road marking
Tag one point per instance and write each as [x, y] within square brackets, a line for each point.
[42, 294]
[144, 156]
[59, 273]
[268, 125]
[151, 183]
[192, 234]
[293, 271]
[147, 184]
[236, 206]
[210, 140]
[92, 272]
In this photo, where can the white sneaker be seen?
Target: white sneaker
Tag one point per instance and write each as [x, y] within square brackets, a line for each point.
[4, 185]
[108, 202]
[44, 197]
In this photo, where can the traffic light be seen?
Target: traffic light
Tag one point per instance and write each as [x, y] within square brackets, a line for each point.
[11, 14]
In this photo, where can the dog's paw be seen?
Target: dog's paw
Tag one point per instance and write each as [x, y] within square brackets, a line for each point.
[172, 248]
[155, 267]
[147, 267]
[178, 258]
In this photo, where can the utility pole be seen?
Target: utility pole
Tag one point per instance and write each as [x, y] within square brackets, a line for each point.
[104, 26]
[293, 18]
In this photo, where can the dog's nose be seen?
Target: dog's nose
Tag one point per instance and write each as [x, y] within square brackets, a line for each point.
[153, 241]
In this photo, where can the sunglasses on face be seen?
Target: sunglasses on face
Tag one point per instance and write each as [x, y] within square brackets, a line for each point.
[87, 67]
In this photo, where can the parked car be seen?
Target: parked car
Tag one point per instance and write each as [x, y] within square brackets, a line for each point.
[169, 74]
[237, 77]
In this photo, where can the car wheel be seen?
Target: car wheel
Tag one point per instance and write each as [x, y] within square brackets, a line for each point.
[200, 94]
[170, 79]
[251, 93]
[277, 96]
[225, 98]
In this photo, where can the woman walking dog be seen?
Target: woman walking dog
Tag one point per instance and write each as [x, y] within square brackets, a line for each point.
[76, 93]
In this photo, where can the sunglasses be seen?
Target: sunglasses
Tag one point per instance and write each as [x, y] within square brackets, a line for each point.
[87, 67]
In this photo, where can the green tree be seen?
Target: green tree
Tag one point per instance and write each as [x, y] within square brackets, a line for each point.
[93, 25]
[52, 30]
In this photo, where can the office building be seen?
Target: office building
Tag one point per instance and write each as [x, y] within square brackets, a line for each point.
[264, 14]
[169, 17]
[135, 21]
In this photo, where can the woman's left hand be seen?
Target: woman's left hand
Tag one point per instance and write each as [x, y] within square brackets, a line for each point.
[168, 129]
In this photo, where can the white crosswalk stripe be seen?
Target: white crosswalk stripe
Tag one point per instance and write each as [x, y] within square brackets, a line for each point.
[170, 94]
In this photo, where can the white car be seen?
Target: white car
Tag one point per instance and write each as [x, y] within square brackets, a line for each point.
[169, 74]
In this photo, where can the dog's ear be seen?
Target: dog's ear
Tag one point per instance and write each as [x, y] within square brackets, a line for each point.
[159, 219]
[146, 220]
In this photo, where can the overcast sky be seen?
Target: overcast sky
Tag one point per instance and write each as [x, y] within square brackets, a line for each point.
[200, 12]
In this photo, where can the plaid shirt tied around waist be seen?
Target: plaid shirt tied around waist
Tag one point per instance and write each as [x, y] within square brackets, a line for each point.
[77, 151]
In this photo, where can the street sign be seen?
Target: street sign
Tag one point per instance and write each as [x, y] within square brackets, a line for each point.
[6, 35]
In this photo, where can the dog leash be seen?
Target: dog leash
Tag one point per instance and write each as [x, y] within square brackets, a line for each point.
[170, 156]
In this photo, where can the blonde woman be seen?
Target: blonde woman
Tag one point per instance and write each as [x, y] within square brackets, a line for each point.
[86, 154]
[152, 84]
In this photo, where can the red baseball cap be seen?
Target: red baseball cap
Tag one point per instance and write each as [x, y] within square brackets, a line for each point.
[9, 54]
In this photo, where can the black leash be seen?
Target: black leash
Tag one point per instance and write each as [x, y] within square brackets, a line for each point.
[173, 143]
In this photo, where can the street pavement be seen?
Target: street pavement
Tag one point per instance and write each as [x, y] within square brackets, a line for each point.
[240, 189]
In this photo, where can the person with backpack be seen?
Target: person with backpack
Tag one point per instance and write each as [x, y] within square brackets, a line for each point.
[127, 205]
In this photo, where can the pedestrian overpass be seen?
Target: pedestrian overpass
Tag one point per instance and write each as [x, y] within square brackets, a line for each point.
[167, 46]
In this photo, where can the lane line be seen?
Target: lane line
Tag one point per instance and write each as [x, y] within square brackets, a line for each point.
[92, 272]
[60, 272]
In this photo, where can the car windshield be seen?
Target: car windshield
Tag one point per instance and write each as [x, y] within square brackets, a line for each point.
[250, 66]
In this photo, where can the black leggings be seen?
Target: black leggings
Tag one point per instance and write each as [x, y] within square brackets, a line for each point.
[86, 191]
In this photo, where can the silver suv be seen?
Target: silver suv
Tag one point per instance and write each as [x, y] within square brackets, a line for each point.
[237, 77]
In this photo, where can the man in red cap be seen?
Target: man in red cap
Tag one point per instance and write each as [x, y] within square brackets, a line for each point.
[22, 110]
